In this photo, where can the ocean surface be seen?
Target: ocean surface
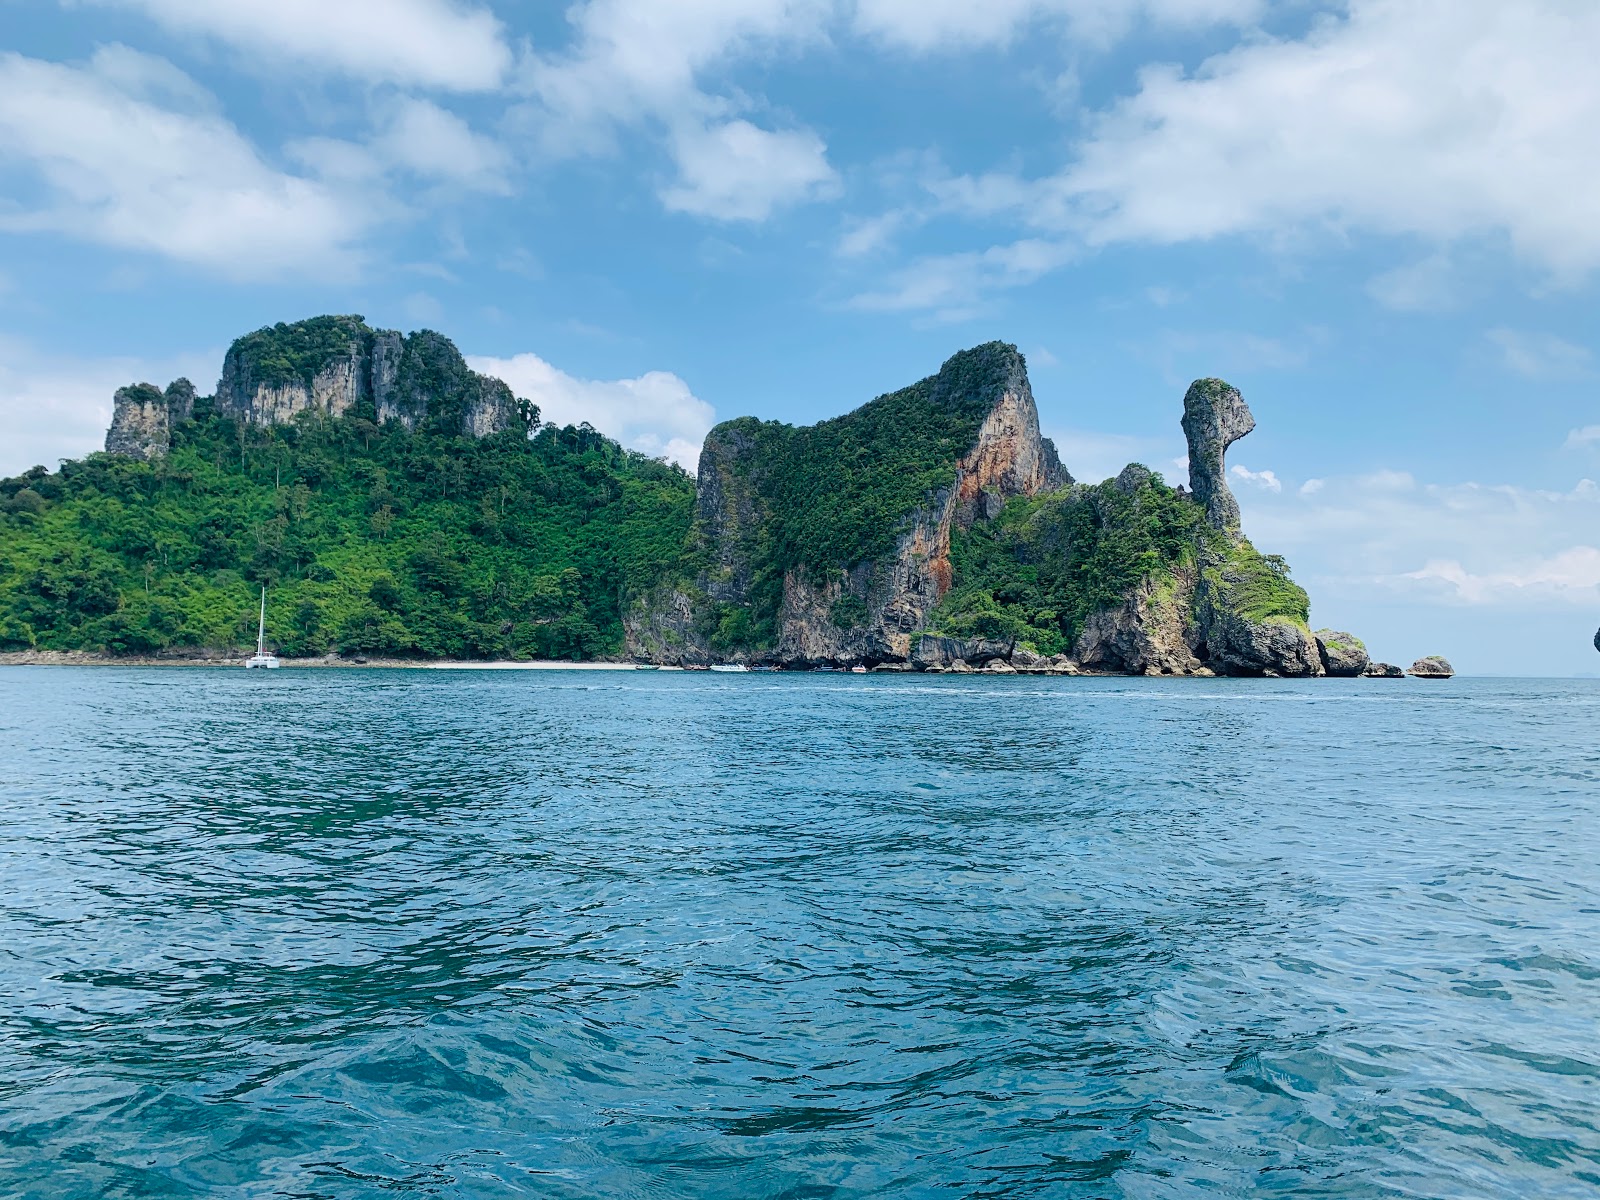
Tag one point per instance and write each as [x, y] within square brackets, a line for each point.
[495, 934]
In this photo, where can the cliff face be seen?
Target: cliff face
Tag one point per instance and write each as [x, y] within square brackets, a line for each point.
[1222, 607]
[338, 366]
[811, 552]
[143, 418]
[899, 592]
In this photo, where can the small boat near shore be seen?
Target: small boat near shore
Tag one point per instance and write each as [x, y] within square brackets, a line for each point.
[730, 668]
[261, 658]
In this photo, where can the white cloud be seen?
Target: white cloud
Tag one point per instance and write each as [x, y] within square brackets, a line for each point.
[55, 407]
[1093, 455]
[1311, 487]
[423, 138]
[427, 43]
[1587, 438]
[1572, 576]
[1433, 120]
[179, 180]
[1540, 355]
[735, 171]
[637, 63]
[921, 26]
[410, 137]
[1266, 480]
[1466, 543]
[655, 413]
[1429, 285]
[868, 235]
[955, 285]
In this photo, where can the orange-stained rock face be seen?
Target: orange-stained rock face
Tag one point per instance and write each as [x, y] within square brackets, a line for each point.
[898, 590]
[1008, 459]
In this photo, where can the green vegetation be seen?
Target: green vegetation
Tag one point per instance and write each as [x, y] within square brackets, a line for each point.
[841, 492]
[1258, 587]
[370, 540]
[1038, 571]
[286, 353]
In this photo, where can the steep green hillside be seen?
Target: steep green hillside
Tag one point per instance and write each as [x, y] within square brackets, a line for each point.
[1048, 562]
[372, 540]
[840, 490]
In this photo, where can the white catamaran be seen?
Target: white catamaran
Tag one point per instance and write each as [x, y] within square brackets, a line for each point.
[261, 658]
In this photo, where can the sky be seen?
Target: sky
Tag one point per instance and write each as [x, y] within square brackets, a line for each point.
[1377, 218]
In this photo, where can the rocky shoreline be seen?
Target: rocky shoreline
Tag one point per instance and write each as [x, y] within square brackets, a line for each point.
[946, 656]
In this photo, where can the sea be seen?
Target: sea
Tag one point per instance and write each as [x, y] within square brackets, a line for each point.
[396, 933]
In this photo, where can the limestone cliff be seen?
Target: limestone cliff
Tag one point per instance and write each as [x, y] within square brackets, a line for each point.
[831, 544]
[338, 366]
[144, 416]
[1218, 606]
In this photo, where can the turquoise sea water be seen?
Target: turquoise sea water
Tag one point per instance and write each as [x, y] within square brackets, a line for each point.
[473, 934]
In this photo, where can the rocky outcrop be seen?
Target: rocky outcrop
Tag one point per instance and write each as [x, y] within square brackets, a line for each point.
[662, 628]
[1214, 417]
[862, 611]
[933, 650]
[898, 593]
[272, 375]
[339, 367]
[1213, 606]
[143, 418]
[1152, 632]
[1226, 611]
[1234, 641]
[1432, 667]
[1342, 654]
[1382, 670]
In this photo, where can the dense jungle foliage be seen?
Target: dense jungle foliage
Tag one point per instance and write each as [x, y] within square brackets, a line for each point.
[293, 352]
[1036, 573]
[370, 540]
[840, 492]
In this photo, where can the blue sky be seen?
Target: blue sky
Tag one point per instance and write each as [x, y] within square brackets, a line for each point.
[1376, 218]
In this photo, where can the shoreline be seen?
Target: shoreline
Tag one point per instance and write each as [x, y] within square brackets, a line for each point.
[95, 658]
[236, 659]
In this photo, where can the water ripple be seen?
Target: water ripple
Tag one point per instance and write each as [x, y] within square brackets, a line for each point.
[507, 934]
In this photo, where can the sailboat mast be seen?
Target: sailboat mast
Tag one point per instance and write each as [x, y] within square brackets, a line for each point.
[261, 630]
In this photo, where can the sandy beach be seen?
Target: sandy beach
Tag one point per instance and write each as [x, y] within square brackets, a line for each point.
[89, 658]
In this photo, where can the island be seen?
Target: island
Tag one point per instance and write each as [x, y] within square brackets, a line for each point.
[396, 503]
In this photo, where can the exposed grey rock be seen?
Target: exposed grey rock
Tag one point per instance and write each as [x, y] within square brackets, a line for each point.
[1152, 631]
[417, 380]
[1214, 417]
[936, 650]
[1026, 660]
[140, 424]
[388, 347]
[998, 666]
[819, 617]
[491, 410]
[180, 401]
[1597, 639]
[1432, 667]
[662, 630]
[143, 418]
[1133, 477]
[1380, 670]
[1236, 645]
[1342, 654]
